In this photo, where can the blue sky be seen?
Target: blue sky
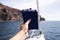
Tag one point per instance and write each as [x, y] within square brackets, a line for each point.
[49, 9]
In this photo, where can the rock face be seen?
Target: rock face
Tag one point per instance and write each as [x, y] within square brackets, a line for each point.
[12, 14]
[42, 19]
[8, 13]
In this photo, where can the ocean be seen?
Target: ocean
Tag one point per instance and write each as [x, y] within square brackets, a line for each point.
[51, 29]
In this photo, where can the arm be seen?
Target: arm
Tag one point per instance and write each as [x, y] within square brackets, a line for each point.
[23, 34]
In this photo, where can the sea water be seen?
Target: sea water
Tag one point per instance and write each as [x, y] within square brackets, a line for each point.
[51, 29]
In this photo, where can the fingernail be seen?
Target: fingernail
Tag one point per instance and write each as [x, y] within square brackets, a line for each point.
[30, 19]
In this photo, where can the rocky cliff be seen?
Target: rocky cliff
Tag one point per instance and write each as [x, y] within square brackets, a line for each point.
[9, 13]
[42, 19]
[12, 14]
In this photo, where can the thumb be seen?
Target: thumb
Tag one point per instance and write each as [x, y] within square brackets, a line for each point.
[27, 23]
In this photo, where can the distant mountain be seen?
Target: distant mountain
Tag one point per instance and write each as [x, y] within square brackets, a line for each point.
[8, 13]
[11, 13]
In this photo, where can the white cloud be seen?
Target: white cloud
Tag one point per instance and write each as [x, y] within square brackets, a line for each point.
[22, 4]
[28, 3]
[46, 2]
[51, 17]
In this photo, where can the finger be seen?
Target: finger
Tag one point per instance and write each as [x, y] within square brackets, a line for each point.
[21, 26]
[28, 22]
[25, 26]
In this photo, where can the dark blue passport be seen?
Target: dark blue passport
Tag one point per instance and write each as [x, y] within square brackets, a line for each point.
[33, 16]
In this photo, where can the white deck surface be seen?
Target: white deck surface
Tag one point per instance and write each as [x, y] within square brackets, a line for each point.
[40, 37]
